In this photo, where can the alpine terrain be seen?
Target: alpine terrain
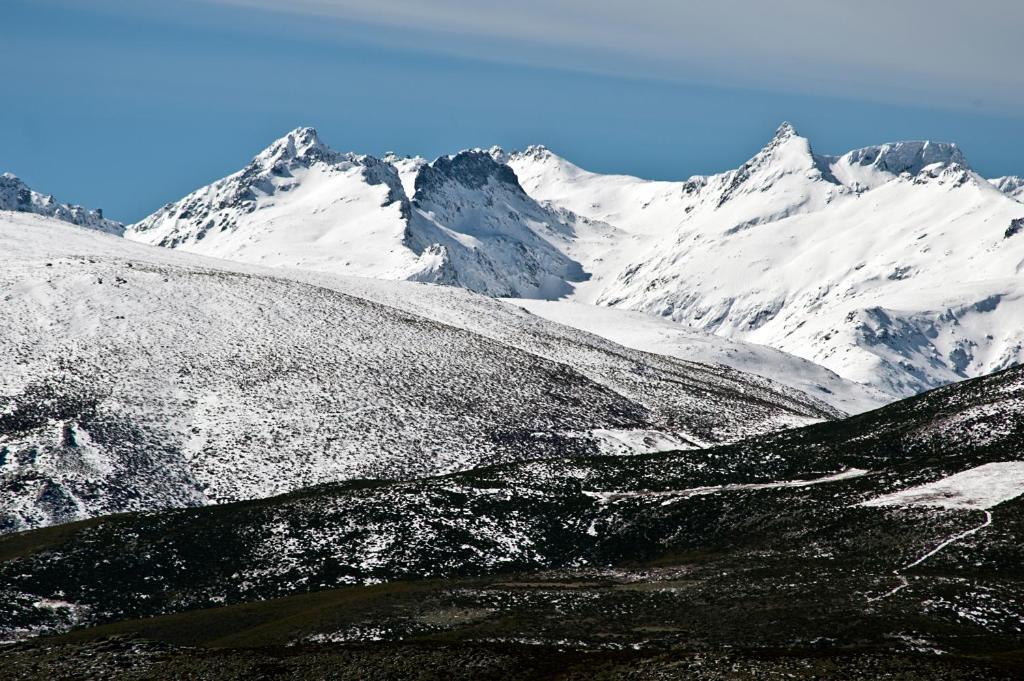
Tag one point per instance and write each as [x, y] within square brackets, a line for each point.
[134, 378]
[884, 545]
[15, 195]
[494, 416]
[895, 266]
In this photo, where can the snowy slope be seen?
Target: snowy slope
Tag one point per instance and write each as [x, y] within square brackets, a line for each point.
[15, 195]
[461, 220]
[981, 488]
[296, 204]
[616, 216]
[663, 337]
[134, 378]
[634, 205]
[682, 401]
[896, 266]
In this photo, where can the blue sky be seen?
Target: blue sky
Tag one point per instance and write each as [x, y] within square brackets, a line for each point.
[128, 104]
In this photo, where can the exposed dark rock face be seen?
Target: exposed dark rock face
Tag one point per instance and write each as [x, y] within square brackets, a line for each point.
[1015, 228]
[472, 169]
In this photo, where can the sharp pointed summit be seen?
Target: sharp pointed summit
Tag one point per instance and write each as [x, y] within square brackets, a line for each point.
[295, 202]
[785, 130]
[301, 143]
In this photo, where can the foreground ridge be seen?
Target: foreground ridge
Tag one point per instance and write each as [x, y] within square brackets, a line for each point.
[762, 544]
[136, 378]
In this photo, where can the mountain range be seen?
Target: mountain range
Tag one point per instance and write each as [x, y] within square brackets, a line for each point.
[842, 260]
[845, 261]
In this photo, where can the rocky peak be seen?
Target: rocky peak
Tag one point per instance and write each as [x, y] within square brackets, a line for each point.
[537, 151]
[472, 169]
[301, 144]
[787, 153]
[785, 131]
[15, 195]
[905, 157]
[952, 174]
[498, 154]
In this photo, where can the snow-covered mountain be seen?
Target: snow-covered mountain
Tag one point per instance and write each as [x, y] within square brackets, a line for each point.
[1011, 185]
[896, 265]
[484, 232]
[135, 378]
[300, 204]
[15, 195]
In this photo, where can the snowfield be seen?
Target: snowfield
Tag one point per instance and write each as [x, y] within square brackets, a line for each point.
[978, 488]
[663, 337]
[135, 378]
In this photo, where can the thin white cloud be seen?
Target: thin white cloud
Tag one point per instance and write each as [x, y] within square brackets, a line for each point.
[940, 51]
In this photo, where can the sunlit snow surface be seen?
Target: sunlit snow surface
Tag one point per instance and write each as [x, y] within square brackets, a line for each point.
[895, 265]
[661, 336]
[977, 489]
[137, 378]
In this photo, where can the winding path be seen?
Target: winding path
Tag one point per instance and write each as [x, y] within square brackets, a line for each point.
[955, 538]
